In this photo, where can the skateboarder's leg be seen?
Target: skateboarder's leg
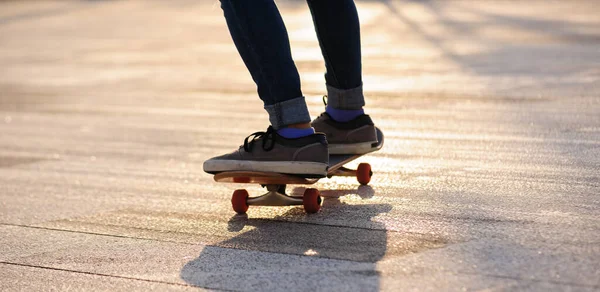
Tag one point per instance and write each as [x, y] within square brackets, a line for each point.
[261, 38]
[338, 30]
[348, 129]
[290, 145]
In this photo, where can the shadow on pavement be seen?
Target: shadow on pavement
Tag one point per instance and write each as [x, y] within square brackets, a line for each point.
[510, 43]
[296, 251]
[47, 12]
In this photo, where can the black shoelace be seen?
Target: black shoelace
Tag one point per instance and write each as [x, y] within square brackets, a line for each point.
[268, 141]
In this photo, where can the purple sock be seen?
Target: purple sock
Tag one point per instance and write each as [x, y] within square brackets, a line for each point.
[341, 115]
[293, 133]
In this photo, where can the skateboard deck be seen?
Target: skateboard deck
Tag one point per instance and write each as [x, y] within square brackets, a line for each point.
[276, 182]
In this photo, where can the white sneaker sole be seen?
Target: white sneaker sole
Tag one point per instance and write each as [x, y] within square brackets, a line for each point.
[288, 167]
[356, 148]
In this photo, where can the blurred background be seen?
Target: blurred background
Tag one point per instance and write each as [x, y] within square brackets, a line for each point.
[148, 50]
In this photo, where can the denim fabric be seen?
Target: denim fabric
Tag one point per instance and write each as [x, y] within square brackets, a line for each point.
[346, 99]
[293, 111]
[338, 30]
[261, 38]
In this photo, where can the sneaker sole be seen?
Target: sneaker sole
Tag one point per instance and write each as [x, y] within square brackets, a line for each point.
[302, 168]
[355, 148]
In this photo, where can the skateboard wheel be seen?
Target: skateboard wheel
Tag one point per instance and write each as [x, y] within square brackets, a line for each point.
[311, 201]
[364, 173]
[239, 201]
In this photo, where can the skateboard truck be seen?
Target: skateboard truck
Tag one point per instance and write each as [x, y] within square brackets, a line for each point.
[276, 196]
[276, 184]
[363, 173]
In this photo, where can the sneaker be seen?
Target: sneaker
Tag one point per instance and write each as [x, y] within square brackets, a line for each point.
[270, 152]
[354, 137]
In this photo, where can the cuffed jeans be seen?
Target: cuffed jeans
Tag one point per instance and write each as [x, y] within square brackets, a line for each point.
[261, 39]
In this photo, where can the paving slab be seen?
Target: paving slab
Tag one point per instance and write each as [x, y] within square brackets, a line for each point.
[182, 264]
[489, 178]
[26, 278]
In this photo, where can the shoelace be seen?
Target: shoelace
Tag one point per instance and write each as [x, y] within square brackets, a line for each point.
[269, 137]
[325, 103]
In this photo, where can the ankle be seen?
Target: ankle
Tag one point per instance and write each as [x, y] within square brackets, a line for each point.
[344, 115]
[294, 132]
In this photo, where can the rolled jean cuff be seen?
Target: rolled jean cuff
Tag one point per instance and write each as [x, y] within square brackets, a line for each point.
[346, 99]
[293, 111]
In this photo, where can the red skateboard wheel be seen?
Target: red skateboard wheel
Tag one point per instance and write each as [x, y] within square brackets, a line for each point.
[364, 173]
[239, 201]
[311, 201]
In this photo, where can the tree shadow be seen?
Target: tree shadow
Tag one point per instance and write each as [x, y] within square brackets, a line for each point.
[507, 52]
[511, 44]
[37, 13]
[296, 251]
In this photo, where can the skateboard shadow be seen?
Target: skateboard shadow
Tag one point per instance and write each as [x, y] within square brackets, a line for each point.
[338, 247]
[363, 191]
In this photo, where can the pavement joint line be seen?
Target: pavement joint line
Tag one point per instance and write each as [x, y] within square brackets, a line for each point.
[257, 219]
[90, 233]
[105, 275]
[447, 218]
[185, 285]
[213, 245]
[446, 95]
[530, 280]
[176, 242]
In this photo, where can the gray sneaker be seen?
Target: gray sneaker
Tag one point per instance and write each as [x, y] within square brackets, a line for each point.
[354, 137]
[271, 152]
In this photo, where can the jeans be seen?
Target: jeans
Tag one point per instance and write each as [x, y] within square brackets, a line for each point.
[261, 38]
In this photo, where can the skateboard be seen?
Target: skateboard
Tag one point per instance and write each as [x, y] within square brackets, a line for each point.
[276, 182]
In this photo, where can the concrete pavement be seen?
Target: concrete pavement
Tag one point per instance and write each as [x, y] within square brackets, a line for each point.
[489, 178]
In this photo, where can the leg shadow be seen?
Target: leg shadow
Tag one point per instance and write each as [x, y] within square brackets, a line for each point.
[335, 249]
